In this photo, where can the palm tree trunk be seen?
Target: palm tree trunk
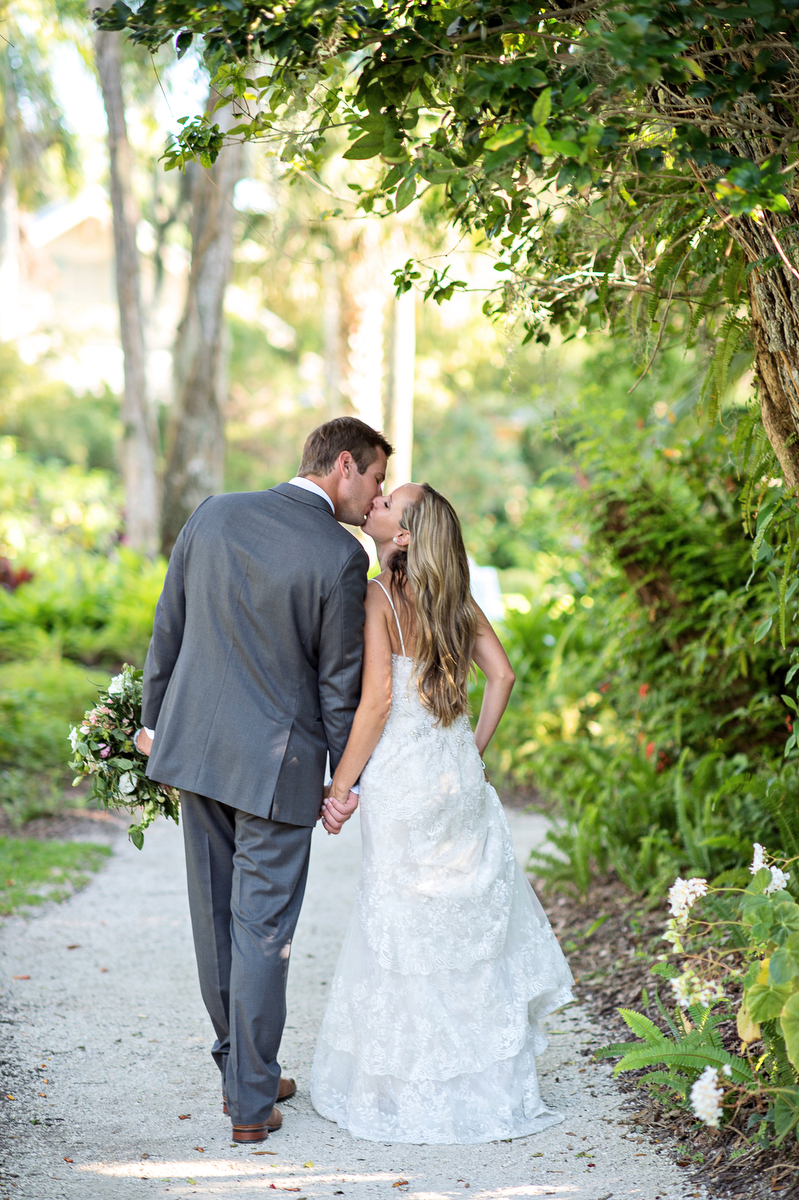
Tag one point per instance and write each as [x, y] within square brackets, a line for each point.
[139, 438]
[196, 441]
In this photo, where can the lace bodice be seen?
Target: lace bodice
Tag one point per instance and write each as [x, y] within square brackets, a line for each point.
[430, 851]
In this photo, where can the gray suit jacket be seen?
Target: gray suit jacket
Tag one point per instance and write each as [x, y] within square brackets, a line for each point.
[253, 673]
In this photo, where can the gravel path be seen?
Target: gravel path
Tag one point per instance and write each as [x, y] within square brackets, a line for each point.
[115, 1095]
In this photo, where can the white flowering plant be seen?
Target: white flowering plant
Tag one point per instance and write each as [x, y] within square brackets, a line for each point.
[737, 971]
[103, 750]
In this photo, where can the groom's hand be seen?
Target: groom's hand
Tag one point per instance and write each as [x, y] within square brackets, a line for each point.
[335, 811]
[144, 742]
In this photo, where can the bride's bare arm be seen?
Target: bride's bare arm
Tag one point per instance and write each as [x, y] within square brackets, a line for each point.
[375, 705]
[500, 678]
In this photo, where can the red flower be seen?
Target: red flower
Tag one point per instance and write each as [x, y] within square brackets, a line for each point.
[650, 749]
[643, 689]
[11, 579]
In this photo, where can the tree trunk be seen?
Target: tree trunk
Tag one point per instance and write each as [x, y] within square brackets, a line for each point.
[401, 382]
[139, 438]
[9, 253]
[9, 212]
[363, 315]
[774, 309]
[331, 335]
[196, 442]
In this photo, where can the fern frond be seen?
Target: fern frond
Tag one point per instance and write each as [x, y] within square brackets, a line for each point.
[680, 1083]
[667, 1017]
[641, 1026]
[679, 1055]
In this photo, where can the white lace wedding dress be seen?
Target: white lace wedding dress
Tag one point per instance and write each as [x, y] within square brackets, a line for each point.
[449, 962]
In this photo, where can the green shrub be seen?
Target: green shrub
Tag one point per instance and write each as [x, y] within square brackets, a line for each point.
[39, 700]
[90, 598]
[734, 942]
[650, 678]
[52, 423]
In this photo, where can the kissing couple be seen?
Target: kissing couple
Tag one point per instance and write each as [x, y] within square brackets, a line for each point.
[269, 653]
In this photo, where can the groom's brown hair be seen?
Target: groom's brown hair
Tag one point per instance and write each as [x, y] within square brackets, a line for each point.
[324, 445]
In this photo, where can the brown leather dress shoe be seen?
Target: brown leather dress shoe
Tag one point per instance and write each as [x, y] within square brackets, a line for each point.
[286, 1089]
[258, 1133]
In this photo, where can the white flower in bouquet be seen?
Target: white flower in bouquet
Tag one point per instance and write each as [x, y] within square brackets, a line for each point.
[683, 894]
[103, 750]
[758, 858]
[706, 1097]
[778, 881]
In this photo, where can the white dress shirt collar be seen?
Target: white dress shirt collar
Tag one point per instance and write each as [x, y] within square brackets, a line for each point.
[309, 486]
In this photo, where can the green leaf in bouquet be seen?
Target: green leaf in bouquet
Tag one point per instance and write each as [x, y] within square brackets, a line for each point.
[136, 835]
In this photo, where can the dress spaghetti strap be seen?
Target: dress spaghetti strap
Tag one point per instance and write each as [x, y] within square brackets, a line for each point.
[396, 618]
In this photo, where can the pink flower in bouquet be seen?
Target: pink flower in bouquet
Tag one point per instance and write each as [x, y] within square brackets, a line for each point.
[104, 751]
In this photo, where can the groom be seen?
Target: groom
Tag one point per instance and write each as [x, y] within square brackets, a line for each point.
[251, 679]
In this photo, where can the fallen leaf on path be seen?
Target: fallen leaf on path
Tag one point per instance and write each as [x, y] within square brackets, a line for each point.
[201, 1149]
[20, 976]
[400, 1183]
[264, 1151]
[193, 1182]
[42, 1094]
[183, 1116]
[74, 946]
[308, 1164]
[9, 1096]
[67, 1160]
[277, 1188]
[103, 970]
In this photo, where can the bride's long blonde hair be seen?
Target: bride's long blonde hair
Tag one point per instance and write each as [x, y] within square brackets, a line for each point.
[437, 570]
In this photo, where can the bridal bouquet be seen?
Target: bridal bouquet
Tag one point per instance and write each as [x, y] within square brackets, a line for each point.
[103, 748]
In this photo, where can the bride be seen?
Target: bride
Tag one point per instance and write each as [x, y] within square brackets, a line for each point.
[449, 962]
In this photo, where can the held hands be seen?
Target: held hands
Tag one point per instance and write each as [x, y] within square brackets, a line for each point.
[336, 809]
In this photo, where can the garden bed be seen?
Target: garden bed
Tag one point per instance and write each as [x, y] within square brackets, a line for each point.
[611, 940]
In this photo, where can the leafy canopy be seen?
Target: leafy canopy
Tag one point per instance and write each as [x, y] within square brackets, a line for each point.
[603, 148]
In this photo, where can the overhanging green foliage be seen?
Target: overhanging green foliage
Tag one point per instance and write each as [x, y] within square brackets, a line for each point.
[601, 147]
